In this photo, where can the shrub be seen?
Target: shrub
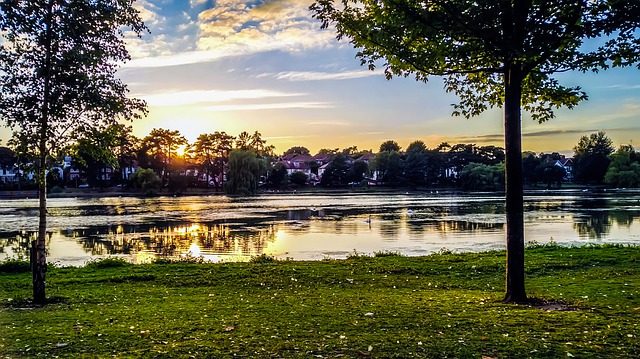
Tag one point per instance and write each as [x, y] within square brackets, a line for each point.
[15, 266]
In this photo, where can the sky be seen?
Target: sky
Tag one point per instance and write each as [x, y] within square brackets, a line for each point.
[266, 66]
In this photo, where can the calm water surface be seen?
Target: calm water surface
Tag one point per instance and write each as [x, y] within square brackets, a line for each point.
[309, 226]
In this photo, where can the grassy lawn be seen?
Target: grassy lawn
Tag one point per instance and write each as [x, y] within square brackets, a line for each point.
[388, 306]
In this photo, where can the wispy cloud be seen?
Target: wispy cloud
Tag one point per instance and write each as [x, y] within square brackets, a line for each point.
[328, 123]
[320, 76]
[268, 106]
[173, 98]
[624, 87]
[232, 28]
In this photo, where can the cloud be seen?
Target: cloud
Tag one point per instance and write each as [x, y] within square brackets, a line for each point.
[194, 3]
[624, 87]
[268, 106]
[558, 132]
[319, 76]
[174, 98]
[235, 28]
[328, 123]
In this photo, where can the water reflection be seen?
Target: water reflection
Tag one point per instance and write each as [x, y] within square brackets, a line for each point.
[308, 226]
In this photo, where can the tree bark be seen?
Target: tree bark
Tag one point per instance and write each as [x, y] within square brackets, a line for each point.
[39, 257]
[515, 291]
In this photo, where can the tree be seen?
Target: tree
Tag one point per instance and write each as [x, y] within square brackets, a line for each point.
[358, 171]
[416, 163]
[58, 63]
[481, 177]
[530, 161]
[146, 180]
[337, 172]
[624, 169]
[94, 151]
[297, 150]
[388, 165]
[591, 157]
[493, 54]
[550, 173]
[126, 143]
[389, 145]
[243, 141]
[298, 178]
[7, 158]
[278, 175]
[161, 144]
[245, 170]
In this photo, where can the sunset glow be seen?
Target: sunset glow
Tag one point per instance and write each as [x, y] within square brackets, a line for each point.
[267, 66]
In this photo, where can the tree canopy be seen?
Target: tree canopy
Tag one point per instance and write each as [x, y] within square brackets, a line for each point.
[58, 63]
[493, 54]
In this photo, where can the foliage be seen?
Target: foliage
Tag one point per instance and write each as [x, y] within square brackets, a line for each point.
[390, 145]
[298, 178]
[278, 175]
[263, 258]
[550, 173]
[94, 151]
[591, 157]
[15, 266]
[481, 177]
[359, 169]
[297, 150]
[58, 63]
[417, 163]
[147, 180]
[245, 170]
[624, 169]
[389, 167]
[378, 307]
[337, 172]
[161, 146]
[492, 54]
[7, 158]
[212, 154]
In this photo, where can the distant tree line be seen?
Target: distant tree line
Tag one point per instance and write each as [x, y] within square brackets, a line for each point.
[240, 164]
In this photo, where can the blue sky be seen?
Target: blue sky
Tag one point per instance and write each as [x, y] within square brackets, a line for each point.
[266, 66]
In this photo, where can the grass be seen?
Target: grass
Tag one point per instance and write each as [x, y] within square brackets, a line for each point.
[387, 306]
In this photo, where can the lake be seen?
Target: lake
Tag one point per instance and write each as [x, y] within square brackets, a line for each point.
[310, 226]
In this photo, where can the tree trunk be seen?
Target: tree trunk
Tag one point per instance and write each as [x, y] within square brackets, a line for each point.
[39, 257]
[515, 292]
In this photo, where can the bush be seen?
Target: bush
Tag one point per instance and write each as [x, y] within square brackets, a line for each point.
[15, 266]
[107, 263]
[263, 258]
[299, 178]
[146, 180]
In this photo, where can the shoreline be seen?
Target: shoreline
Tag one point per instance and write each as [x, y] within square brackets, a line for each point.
[117, 192]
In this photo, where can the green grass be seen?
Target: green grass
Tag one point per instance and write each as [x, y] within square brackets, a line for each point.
[387, 306]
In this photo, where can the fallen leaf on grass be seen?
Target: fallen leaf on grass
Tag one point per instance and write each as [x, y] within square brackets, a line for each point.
[363, 354]
[228, 329]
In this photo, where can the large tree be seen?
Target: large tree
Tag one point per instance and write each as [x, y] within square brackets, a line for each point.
[58, 62]
[162, 146]
[591, 157]
[493, 53]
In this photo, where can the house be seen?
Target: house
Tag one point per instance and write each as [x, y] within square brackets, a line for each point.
[566, 163]
[299, 163]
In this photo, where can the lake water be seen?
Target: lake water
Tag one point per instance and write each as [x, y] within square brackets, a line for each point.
[310, 226]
